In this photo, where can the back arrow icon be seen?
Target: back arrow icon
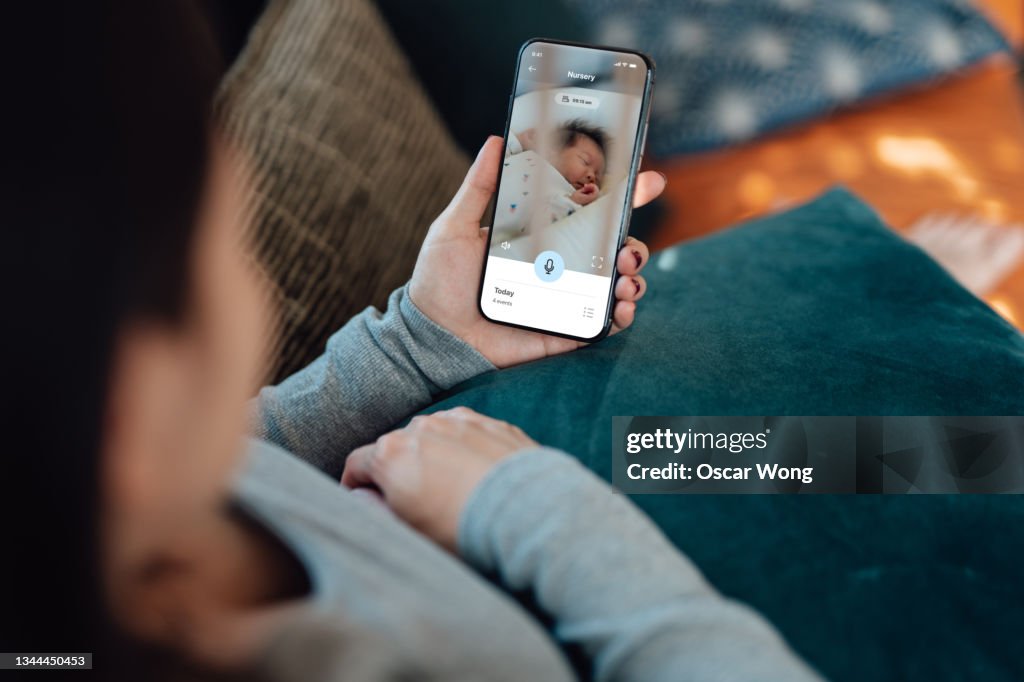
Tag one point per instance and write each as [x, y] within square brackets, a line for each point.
[533, 68]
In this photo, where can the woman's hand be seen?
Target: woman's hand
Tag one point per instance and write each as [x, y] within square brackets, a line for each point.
[427, 471]
[445, 283]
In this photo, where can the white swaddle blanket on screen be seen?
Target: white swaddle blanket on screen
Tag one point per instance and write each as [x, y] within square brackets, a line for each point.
[533, 193]
[534, 213]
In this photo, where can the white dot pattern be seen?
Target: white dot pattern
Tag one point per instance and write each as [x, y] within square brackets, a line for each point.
[842, 76]
[729, 70]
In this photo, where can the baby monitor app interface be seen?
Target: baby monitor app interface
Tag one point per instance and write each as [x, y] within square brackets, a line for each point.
[562, 196]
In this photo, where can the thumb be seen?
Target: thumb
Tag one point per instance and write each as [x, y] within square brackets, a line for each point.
[468, 206]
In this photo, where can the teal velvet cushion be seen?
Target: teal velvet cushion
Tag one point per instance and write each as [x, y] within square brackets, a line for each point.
[820, 310]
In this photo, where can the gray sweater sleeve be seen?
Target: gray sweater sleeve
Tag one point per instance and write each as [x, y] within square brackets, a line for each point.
[610, 580]
[376, 371]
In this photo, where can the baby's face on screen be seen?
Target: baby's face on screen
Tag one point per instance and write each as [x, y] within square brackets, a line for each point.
[580, 162]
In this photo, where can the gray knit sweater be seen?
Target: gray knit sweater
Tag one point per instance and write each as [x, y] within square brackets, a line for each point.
[387, 604]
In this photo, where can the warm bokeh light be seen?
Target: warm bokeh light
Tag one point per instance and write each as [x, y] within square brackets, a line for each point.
[1005, 308]
[1007, 154]
[845, 161]
[916, 155]
[994, 210]
[756, 190]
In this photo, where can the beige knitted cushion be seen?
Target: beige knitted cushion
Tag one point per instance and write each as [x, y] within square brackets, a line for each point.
[349, 164]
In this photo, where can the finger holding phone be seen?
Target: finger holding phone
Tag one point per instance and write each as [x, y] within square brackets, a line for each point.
[445, 280]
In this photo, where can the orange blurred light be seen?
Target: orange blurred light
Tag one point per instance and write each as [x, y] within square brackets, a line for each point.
[756, 190]
[1005, 308]
[779, 157]
[844, 161]
[1007, 154]
[966, 186]
[915, 155]
[994, 210]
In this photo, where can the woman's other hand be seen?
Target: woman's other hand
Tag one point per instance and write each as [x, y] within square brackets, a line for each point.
[446, 281]
[427, 471]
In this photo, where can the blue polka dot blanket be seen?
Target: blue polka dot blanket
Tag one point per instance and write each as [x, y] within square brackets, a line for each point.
[729, 70]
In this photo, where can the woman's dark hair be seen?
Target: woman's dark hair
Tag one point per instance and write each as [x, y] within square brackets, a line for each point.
[108, 137]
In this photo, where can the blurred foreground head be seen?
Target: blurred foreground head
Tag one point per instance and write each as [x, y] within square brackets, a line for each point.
[132, 325]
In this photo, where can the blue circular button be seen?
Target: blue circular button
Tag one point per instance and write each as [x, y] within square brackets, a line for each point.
[549, 266]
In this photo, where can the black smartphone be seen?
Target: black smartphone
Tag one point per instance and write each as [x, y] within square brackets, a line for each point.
[574, 140]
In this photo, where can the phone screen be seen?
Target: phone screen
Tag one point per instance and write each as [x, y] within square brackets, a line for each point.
[573, 145]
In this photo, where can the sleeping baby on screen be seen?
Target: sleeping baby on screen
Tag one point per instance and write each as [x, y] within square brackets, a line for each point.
[544, 181]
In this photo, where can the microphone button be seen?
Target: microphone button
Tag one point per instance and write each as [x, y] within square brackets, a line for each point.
[549, 266]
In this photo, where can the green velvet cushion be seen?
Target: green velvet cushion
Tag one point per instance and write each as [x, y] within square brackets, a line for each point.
[821, 310]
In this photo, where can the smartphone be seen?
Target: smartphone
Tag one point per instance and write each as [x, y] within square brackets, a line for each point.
[574, 141]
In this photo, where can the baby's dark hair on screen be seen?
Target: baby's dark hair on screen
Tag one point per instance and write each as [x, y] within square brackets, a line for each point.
[569, 131]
